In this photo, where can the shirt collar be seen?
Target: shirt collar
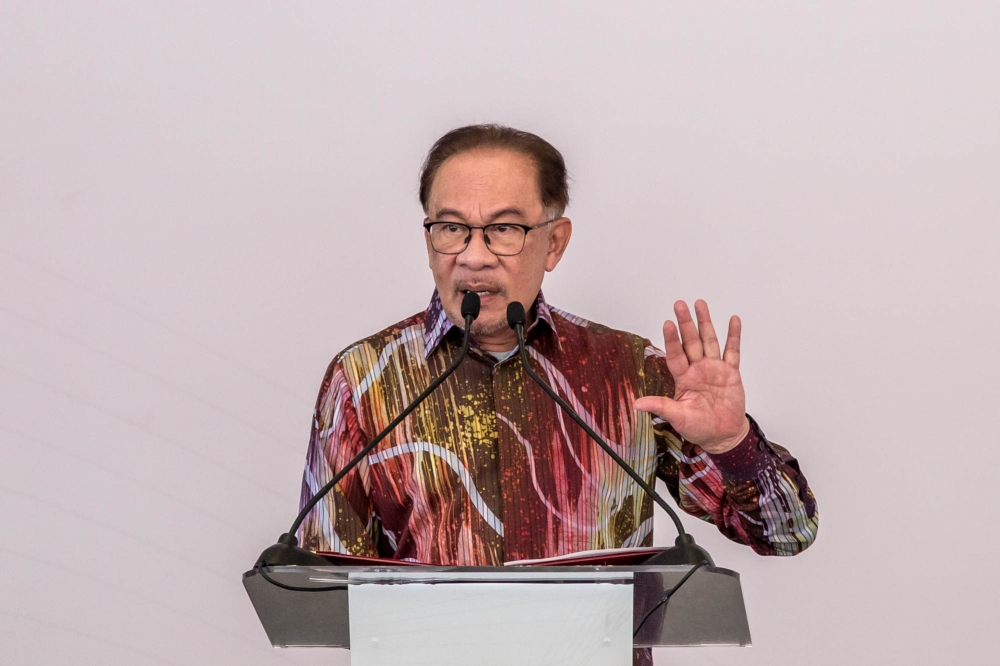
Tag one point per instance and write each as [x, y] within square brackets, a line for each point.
[437, 325]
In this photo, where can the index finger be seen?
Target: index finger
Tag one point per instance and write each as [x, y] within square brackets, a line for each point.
[677, 360]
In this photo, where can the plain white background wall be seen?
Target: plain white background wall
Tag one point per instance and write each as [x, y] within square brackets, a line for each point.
[201, 205]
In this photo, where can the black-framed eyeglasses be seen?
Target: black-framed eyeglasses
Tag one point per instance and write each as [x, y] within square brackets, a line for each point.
[503, 239]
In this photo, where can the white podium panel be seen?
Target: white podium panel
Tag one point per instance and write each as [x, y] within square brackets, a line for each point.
[465, 619]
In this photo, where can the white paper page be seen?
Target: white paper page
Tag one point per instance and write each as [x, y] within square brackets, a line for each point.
[491, 624]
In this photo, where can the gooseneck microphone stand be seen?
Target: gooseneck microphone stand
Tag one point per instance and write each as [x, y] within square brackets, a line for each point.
[286, 551]
[685, 550]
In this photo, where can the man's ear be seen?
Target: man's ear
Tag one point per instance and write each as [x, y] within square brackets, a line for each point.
[559, 236]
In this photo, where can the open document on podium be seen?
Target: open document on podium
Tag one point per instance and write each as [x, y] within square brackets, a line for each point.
[596, 558]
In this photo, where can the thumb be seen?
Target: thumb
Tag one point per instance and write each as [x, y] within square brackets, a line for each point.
[666, 408]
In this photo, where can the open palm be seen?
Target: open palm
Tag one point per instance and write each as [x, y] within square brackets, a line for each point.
[709, 405]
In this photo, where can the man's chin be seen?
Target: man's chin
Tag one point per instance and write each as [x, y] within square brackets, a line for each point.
[486, 327]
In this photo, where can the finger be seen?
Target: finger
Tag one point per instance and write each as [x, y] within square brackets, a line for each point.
[666, 408]
[709, 340]
[689, 332]
[677, 360]
[732, 354]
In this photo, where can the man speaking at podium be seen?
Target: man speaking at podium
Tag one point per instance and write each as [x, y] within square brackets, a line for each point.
[488, 469]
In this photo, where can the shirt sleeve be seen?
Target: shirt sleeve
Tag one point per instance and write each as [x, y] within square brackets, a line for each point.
[755, 493]
[344, 521]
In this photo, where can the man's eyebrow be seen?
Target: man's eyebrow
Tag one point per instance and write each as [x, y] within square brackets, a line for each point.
[449, 211]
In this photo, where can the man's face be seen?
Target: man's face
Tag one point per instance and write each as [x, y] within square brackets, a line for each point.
[487, 187]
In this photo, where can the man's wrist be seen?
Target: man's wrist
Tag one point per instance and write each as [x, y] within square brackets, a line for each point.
[726, 446]
[744, 461]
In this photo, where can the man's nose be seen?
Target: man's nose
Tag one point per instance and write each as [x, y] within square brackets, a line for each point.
[477, 253]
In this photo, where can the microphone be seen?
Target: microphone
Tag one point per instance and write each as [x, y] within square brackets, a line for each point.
[287, 551]
[685, 550]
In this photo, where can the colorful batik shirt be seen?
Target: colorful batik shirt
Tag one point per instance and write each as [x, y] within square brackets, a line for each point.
[488, 469]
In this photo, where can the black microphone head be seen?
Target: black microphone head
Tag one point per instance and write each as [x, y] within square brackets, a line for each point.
[470, 305]
[515, 314]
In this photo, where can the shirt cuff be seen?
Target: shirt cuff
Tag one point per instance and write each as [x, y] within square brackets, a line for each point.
[745, 461]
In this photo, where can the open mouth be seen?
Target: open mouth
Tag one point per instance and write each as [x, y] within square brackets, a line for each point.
[488, 296]
[483, 289]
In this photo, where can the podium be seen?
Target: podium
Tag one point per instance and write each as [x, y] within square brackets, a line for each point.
[707, 609]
